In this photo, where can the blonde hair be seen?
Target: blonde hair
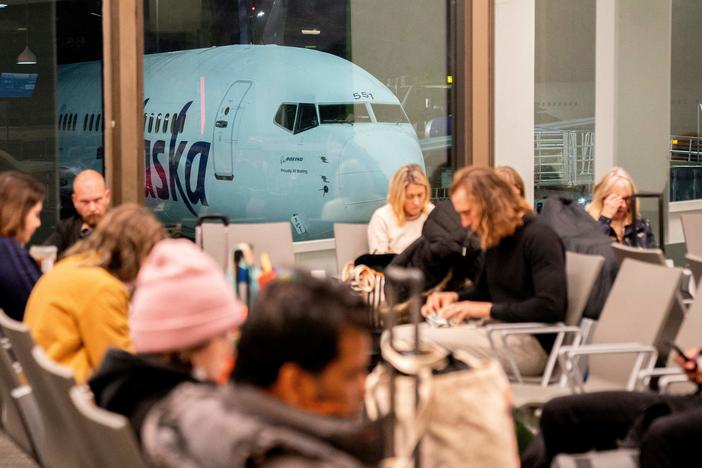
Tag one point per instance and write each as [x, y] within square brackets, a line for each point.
[501, 210]
[121, 241]
[19, 193]
[406, 175]
[604, 187]
[511, 175]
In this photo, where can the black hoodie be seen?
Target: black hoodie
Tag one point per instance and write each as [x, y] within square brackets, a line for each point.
[130, 385]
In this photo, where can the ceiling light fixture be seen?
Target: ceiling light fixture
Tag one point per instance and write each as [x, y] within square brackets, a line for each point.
[311, 32]
[26, 57]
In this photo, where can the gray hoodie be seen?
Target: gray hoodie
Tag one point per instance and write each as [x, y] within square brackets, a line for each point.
[240, 426]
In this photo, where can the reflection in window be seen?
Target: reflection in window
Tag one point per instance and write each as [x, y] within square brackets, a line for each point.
[389, 113]
[307, 118]
[285, 117]
[343, 113]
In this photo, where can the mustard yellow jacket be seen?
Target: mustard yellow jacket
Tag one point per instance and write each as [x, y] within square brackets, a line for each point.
[76, 312]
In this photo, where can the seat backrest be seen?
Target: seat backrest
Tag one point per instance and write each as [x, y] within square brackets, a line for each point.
[654, 256]
[114, 443]
[59, 380]
[637, 310]
[692, 229]
[275, 239]
[689, 334]
[581, 273]
[351, 241]
[694, 263]
[59, 447]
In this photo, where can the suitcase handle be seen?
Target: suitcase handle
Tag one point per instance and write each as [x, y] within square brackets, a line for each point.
[212, 217]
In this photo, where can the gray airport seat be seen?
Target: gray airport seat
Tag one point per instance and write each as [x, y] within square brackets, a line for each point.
[61, 438]
[694, 263]
[637, 308]
[59, 380]
[114, 443]
[18, 416]
[217, 240]
[672, 325]
[581, 273]
[351, 241]
[692, 229]
[622, 458]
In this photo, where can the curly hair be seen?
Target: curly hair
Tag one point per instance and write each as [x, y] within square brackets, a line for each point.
[406, 175]
[19, 193]
[501, 210]
[121, 241]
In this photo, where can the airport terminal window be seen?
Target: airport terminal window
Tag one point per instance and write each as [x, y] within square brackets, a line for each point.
[307, 118]
[285, 117]
[389, 113]
[343, 113]
[296, 80]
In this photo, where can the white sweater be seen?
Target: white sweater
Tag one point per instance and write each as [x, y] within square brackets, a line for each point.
[385, 235]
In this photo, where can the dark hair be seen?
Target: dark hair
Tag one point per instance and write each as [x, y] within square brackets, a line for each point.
[19, 193]
[298, 321]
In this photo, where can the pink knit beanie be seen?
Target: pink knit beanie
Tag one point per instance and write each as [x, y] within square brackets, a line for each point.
[181, 300]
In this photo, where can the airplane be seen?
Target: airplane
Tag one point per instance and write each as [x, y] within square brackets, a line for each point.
[259, 133]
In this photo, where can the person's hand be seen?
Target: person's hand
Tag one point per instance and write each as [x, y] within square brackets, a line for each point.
[460, 311]
[611, 204]
[437, 301]
[693, 371]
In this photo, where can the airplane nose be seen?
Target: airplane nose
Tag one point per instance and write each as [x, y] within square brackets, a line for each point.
[368, 162]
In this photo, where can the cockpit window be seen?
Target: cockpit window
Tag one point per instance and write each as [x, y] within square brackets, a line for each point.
[306, 118]
[389, 113]
[343, 113]
[285, 117]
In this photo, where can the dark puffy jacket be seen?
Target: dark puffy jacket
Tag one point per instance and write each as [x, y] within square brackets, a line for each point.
[444, 247]
[582, 234]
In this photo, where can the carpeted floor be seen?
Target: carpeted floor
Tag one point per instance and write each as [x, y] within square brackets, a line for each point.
[11, 456]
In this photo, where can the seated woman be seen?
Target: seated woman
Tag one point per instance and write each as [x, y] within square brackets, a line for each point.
[20, 205]
[611, 206]
[398, 223]
[523, 278]
[182, 322]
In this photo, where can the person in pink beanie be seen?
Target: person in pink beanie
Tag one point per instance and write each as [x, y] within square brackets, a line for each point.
[182, 321]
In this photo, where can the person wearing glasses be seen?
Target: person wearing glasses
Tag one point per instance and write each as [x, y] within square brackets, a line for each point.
[611, 206]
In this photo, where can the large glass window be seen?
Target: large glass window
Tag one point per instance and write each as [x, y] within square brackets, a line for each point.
[564, 107]
[47, 92]
[686, 102]
[288, 117]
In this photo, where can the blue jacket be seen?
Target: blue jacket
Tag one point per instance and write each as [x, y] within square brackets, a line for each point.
[18, 273]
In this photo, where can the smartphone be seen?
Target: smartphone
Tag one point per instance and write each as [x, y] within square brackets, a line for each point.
[682, 354]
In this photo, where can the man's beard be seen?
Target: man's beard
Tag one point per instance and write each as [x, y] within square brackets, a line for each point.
[92, 219]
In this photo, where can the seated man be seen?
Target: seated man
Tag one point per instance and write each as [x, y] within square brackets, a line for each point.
[80, 308]
[666, 428]
[91, 200]
[297, 392]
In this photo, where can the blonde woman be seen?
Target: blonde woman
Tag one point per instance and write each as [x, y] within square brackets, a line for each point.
[612, 207]
[394, 226]
[80, 308]
[523, 278]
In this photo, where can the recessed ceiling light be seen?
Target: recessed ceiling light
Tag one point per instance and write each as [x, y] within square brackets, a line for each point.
[3, 5]
[311, 32]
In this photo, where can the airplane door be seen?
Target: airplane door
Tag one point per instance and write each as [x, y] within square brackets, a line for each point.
[225, 136]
